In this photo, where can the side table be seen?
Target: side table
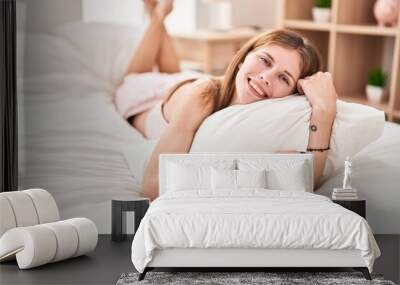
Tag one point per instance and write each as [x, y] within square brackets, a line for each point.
[357, 206]
[213, 50]
[119, 206]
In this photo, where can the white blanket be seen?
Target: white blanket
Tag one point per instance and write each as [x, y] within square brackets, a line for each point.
[251, 219]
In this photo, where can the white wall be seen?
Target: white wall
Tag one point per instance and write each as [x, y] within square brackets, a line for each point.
[116, 11]
[263, 13]
[188, 15]
[44, 15]
[182, 19]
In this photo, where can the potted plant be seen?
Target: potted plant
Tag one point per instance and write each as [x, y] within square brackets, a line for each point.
[376, 84]
[321, 11]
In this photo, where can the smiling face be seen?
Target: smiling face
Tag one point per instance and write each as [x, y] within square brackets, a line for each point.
[267, 72]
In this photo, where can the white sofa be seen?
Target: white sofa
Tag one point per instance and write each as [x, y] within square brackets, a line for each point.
[31, 231]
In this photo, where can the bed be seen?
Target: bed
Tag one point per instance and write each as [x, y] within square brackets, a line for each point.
[248, 227]
[74, 142]
[73, 138]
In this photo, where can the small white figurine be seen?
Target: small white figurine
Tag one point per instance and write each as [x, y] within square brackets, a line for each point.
[347, 174]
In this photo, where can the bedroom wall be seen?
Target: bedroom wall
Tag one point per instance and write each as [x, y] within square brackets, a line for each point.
[244, 13]
[44, 15]
[255, 12]
[116, 11]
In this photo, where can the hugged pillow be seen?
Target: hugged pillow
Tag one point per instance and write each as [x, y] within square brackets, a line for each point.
[283, 124]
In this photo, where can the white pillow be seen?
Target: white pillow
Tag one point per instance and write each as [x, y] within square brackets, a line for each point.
[108, 47]
[182, 177]
[228, 179]
[283, 124]
[193, 174]
[251, 179]
[223, 179]
[282, 174]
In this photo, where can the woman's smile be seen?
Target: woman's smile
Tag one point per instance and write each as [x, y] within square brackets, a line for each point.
[255, 90]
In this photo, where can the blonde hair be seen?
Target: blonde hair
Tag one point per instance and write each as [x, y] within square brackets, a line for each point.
[224, 86]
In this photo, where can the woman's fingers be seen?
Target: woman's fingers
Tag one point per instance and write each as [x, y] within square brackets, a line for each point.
[300, 87]
[320, 91]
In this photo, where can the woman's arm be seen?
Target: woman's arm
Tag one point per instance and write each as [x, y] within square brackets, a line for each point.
[320, 139]
[190, 107]
[321, 93]
[173, 140]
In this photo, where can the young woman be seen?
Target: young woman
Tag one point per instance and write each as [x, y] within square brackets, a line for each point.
[271, 65]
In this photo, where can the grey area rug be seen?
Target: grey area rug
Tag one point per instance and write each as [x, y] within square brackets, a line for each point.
[231, 278]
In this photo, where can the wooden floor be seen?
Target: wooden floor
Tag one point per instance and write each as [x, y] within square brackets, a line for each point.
[110, 260]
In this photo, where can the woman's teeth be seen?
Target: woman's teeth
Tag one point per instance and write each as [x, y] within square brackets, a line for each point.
[255, 87]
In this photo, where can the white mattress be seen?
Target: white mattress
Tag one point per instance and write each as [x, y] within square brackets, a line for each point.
[250, 219]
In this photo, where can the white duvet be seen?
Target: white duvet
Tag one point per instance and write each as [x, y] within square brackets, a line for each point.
[250, 219]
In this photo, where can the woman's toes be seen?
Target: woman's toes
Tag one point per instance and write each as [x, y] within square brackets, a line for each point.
[164, 7]
[150, 5]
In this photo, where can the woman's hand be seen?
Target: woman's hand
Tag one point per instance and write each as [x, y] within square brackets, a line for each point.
[191, 104]
[320, 92]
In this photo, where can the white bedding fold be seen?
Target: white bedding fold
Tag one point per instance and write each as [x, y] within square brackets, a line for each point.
[250, 219]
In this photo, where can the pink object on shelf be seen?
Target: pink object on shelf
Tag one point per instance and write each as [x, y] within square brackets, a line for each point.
[386, 12]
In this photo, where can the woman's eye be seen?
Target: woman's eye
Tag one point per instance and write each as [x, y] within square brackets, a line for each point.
[285, 80]
[266, 61]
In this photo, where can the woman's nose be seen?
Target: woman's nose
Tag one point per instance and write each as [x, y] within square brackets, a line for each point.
[265, 77]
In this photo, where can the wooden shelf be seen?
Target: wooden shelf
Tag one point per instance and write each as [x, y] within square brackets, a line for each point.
[351, 44]
[361, 99]
[240, 35]
[211, 50]
[307, 25]
[372, 30]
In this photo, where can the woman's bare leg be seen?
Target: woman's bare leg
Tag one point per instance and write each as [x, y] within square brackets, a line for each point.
[147, 53]
[168, 60]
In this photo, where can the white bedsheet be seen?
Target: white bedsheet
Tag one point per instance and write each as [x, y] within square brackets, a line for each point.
[250, 219]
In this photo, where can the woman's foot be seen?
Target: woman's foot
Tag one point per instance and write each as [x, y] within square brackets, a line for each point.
[163, 8]
[150, 5]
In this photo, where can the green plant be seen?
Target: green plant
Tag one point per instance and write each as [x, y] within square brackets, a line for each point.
[322, 3]
[377, 77]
